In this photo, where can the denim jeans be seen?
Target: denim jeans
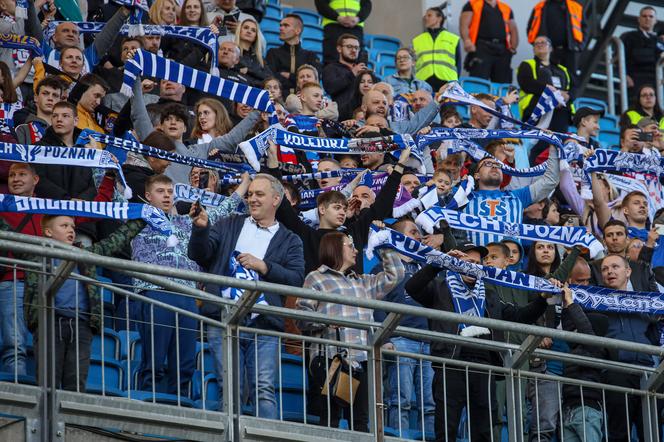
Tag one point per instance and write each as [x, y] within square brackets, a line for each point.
[14, 333]
[575, 419]
[257, 353]
[543, 397]
[400, 389]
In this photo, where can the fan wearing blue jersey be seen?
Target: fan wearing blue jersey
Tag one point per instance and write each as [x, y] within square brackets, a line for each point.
[67, 35]
[488, 201]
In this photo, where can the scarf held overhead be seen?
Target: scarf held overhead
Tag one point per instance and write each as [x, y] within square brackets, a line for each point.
[255, 148]
[202, 36]
[13, 41]
[615, 161]
[151, 65]
[64, 156]
[566, 236]
[142, 149]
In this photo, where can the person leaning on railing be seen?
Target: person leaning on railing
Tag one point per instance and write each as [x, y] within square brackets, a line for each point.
[337, 255]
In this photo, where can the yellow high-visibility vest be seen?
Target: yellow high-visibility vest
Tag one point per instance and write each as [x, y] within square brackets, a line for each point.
[525, 99]
[436, 58]
[344, 8]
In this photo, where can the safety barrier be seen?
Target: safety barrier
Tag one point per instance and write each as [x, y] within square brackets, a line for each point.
[114, 400]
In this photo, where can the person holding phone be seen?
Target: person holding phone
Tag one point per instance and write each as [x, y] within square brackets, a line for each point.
[225, 17]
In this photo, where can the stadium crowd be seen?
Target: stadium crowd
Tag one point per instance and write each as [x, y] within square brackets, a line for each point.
[267, 226]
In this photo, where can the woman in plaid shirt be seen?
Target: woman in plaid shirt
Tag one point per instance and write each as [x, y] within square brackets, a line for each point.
[337, 257]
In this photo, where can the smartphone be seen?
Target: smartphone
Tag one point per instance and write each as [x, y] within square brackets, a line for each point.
[203, 180]
[646, 136]
[197, 208]
[659, 228]
[229, 18]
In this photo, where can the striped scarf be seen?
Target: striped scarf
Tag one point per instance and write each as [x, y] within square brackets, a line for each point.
[615, 161]
[590, 298]
[546, 104]
[469, 134]
[142, 149]
[202, 36]
[137, 8]
[90, 209]
[467, 302]
[566, 236]
[13, 41]
[151, 65]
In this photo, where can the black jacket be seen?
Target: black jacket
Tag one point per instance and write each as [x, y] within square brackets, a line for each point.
[429, 288]
[135, 177]
[256, 73]
[642, 278]
[279, 60]
[65, 182]
[573, 318]
[338, 80]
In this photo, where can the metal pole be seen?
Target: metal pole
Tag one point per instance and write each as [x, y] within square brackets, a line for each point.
[610, 87]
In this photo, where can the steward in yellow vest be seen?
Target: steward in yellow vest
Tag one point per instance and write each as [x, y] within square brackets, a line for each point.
[438, 51]
[341, 17]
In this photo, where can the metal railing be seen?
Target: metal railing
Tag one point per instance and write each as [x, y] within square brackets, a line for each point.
[659, 81]
[49, 411]
[615, 52]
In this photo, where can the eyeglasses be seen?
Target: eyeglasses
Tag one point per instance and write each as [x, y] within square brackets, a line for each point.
[492, 164]
[350, 244]
[647, 95]
[404, 58]
[351, 47]
[541, 43]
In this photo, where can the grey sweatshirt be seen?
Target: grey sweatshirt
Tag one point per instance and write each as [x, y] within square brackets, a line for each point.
[179, 173]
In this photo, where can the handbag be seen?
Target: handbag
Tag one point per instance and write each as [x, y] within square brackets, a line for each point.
[342, 380]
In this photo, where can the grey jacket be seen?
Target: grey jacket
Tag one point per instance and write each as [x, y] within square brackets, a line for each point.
[179, 173]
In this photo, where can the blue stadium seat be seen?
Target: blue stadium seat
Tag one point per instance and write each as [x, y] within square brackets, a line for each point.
[463, 111]
[106, 294]
[608, 122]
[270, 24]
[313, 44]
[387, 70]
[292, 371]
[383, 43]
[385, 57]
[208, 390]
[610, 138]
[6, 376]
[308, 16]
[130, 342]
[111, 345]
[272, 37]
[273, 11]
[592, 103]
[130, 375]
[474, 85]
[111, 384]
[204, 357]
[312, 32]
[162, 398]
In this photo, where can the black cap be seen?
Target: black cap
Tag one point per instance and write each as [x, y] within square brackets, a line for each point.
[469, 247]
[583, 112]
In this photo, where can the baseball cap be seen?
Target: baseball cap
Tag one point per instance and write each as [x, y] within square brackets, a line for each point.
[469, 247]
[583, 112]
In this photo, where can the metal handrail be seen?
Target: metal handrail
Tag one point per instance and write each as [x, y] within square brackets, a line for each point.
[150, 270]
[622, 74]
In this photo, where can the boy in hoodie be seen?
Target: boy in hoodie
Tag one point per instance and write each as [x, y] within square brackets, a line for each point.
[49, 92]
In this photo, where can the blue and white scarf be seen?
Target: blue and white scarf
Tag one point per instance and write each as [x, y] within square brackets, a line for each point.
[388, 238]
[566, 236]
[142, 149]
[468, 302]
[546, 104]
[21, 11]
[63, 156]
[374, 181]
[184, 192]
[7, 111]
[591, 298]
[255, 148]
[13, 41]
[615, 161]
[237, 270]
[151, 65]
[463, 193]
[91, 209]
[137, 8]
[202, 36]
[461, 133]
[627, 185]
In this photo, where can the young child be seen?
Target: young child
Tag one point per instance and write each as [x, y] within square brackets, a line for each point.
[443, 184]
[78, 306]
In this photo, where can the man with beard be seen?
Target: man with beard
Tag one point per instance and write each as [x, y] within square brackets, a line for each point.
[617, 240]
[338, 77]
[488, 201]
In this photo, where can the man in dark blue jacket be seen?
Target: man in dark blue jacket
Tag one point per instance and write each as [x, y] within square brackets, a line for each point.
[410, 375]
[254, 247]
[616, 272]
